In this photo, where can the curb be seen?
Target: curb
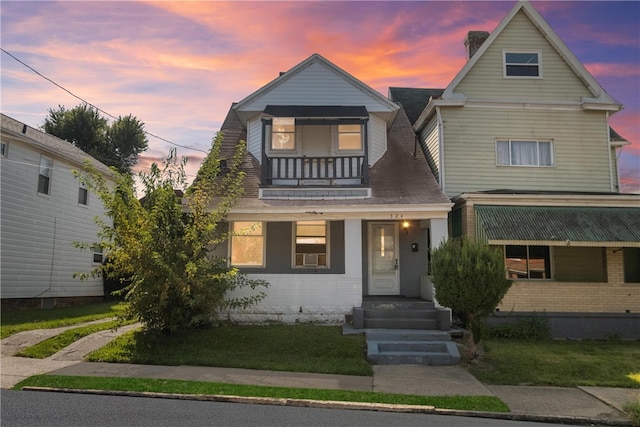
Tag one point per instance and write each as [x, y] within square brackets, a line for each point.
[330, 404]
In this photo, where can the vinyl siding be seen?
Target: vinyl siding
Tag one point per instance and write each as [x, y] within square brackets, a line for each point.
[485, 80]
[429, 141]
[38, 258]
[580, 150]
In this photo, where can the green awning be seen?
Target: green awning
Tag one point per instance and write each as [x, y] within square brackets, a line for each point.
[559, 225]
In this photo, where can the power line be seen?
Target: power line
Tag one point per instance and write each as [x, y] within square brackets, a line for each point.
[93, 106]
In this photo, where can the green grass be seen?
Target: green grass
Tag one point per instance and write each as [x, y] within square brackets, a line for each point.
[54, 344]
[470, 403]
[559, 363]
[15, 320]
[298, 348]
[633, 410]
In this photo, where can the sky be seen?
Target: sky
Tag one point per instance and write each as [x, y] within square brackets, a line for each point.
[178, 66]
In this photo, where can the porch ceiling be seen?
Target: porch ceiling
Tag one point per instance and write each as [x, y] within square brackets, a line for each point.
[559, 225]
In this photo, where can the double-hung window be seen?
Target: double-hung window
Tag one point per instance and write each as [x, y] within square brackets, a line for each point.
[311, 244]
[350, 137]
[283, 134]
[521, 64]
[528, 262]
[44, 175]
[511, 152]
[83, 194]
[247, 244]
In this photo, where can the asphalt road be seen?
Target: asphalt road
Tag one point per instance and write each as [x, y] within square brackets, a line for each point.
[28, 408]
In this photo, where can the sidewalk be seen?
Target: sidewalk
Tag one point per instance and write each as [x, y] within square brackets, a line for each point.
[597, 405]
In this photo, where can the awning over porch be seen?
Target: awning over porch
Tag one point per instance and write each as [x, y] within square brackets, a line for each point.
[317, 111]
[559, 225]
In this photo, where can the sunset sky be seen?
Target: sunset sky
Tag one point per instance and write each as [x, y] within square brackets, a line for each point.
[178, 66]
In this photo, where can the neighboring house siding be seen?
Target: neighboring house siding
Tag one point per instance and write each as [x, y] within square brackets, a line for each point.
[38, 258]
[377, 139]
[316, 85]
[485, 80]
[254, 138]
[580, 150]
[429, 141]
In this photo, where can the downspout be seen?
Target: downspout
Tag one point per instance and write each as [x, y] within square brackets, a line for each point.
[440, 148]
[609, 152]
[263, 168]
[365, 166]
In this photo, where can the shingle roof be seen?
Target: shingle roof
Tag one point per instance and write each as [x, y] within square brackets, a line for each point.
[560, 223]
[413, 100]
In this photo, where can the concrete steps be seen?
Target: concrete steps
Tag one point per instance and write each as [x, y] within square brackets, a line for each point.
[410, 347]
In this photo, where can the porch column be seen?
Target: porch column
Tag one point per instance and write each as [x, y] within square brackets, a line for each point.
[439, 231]
[353, 256]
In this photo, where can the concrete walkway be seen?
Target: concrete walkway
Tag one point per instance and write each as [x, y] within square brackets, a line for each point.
[596, 405]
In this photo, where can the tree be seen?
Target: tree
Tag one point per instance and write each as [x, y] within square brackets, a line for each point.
[470, 278]
[117, 144]
[165, 247]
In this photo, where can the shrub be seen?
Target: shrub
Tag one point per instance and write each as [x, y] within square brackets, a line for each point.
[525, 328]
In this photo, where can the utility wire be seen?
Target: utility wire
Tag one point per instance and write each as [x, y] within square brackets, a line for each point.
[93, 106]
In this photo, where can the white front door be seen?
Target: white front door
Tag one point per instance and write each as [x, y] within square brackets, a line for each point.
[383, 258]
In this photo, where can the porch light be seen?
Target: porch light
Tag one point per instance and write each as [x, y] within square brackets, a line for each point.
[405, 226]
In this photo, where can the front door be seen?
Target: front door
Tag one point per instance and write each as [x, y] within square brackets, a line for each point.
[383, 258]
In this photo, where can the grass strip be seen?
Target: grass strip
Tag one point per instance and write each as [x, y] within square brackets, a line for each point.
[18, 320]
[560, 363]
[468, 403]
[298, 348]
[52, 345]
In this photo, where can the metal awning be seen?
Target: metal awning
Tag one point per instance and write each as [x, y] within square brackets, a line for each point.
[317, 111]
[559, 225]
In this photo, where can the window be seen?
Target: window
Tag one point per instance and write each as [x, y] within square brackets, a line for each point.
[83, 194]
[631, 265]
[311, 243]
[283, 134]
[97, 254]
[4, 149]
[524, 153]
[44, 176]
[247, 244]
[349, 137]
[528, 262]
[522, 64]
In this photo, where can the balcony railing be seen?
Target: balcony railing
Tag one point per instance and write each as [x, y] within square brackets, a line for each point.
[348, 170]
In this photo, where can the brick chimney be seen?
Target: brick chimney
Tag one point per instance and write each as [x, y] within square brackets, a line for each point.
[473, 41]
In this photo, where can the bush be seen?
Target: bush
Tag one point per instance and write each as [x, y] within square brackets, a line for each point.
[525, 328]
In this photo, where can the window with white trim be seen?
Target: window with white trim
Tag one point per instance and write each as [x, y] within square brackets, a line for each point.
[528, 262]
[311, 244]
[44, 175]
[247, 244]
[98, 256]
[83, 194]
[522, 64]
[283, 134]
[350, 137]
[513, 152]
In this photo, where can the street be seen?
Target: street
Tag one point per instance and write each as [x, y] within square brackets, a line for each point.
[29, 408]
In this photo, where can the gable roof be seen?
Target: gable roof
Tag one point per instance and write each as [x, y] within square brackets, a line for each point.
[600, 95]
[381, 100]
[49, 144]
[413, 100]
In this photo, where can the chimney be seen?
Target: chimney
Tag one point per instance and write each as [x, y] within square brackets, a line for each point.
[473, 42]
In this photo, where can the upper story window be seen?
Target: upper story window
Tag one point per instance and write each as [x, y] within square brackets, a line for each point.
[525, 64]
[311, 248]
[83, 194]
[283, 134]
[350, 137]
[247, 244]
[524, 153]
[4, 149]
[44, 175]
[528, 262]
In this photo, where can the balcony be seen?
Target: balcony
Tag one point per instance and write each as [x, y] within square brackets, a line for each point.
[315, 171]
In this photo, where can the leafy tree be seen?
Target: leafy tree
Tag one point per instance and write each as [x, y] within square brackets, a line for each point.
[165, 247]
[117, 144]
[470, 278]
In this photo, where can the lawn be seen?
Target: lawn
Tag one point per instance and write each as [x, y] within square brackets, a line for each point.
[560, 363]
[297, 348]
[18, 320]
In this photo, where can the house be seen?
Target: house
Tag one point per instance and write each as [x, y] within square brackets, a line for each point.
[44, 210]
[339, 202]
[520, 142]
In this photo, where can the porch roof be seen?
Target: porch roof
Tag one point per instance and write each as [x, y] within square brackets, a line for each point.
[317, 111]
[559, 225]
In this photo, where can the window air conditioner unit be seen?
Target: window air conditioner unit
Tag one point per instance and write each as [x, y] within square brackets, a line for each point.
[310, 260]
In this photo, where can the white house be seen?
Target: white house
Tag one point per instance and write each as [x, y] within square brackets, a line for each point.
[44, 210]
